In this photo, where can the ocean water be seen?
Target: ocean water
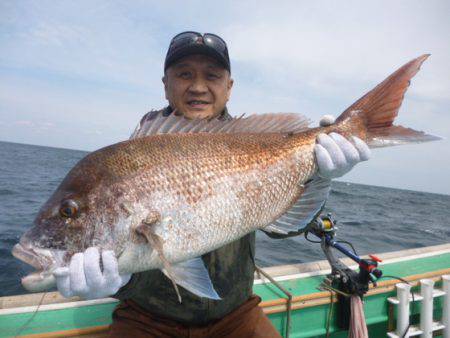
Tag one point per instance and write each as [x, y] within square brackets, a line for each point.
[374, 219]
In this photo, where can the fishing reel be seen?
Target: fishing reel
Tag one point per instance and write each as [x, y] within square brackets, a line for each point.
[324, 227]
[343, 280]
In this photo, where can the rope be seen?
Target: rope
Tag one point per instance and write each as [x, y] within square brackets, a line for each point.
[330, 311]
[24, 325]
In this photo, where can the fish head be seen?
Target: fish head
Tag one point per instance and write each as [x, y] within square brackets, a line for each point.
[81, 213]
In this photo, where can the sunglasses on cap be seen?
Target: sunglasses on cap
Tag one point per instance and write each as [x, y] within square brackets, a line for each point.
[189, 38]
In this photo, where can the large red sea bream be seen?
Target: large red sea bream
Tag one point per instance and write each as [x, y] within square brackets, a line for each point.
[185, 188]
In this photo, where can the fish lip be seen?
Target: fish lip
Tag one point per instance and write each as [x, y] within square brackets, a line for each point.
[45, 261]
[38, 281]
[31, 257]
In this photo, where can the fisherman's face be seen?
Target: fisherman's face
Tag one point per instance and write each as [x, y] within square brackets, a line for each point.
[197, 86]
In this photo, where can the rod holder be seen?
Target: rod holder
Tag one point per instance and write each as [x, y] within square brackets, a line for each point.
[403, 291]
[426, 309]
[427, 326]
[446, 306]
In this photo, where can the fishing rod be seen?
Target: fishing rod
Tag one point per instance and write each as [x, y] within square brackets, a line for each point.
[343, 280]
[325, 229]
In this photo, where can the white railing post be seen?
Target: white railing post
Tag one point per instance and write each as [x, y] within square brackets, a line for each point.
[426, 298]
[402, 309]
[446, 305]
[426, 308]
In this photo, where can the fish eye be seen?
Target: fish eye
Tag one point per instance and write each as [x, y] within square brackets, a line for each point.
[68, 209]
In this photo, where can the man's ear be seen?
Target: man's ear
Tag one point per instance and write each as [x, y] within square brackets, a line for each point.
[229, 87]
[230, 83]
[164, 80]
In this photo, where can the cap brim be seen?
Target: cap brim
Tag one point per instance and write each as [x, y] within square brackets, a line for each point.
[196, 49]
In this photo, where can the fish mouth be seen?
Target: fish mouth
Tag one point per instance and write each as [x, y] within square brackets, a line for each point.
[45, 261]
[33, 257]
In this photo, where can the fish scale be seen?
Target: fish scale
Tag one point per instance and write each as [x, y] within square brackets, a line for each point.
[220, 195]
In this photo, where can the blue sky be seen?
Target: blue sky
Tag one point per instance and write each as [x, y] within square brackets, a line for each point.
[80, 74]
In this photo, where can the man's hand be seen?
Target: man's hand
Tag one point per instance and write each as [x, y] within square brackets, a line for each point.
[85, 279]
[335, 154]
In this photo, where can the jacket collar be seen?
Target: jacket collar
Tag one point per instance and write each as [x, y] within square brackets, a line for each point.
[223, 116]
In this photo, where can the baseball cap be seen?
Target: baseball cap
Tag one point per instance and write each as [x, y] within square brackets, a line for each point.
[189, 43]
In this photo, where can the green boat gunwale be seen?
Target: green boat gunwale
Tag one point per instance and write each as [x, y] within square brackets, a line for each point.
[301, 280]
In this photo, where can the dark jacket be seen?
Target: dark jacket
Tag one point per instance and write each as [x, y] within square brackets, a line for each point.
[231, 269]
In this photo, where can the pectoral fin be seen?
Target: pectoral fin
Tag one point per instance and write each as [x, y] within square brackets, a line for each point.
[156, 242]
[193, 276]
[306, 209]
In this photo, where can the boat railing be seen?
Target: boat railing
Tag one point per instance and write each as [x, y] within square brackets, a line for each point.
[300, 308]
[405, 299]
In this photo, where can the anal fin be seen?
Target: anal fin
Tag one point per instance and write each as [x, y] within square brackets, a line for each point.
[191, 274]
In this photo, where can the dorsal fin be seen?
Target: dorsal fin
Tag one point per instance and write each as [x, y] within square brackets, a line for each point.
[263, 123]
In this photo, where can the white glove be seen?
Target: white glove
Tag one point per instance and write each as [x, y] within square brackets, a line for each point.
[336, 155]
[85, 279]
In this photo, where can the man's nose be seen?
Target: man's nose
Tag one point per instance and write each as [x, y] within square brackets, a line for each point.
[198, 86]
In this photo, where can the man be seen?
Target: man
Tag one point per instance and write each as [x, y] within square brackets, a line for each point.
[197, 83]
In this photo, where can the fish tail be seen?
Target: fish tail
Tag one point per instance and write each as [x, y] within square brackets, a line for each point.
[371, 117]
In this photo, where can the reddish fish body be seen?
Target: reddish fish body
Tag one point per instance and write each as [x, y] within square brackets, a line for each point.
[164, 199]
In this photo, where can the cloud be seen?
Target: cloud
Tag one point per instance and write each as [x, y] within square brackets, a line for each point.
[81, 74]
[29, 124]
[325, 44]
[48, 124]
[24, 123]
